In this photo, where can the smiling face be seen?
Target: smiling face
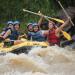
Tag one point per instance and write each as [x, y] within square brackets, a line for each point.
[30, 27]
[35, 28]
[51, 25]
[17, 26]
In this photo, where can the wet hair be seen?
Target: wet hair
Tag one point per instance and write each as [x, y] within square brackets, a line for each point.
[54, 26]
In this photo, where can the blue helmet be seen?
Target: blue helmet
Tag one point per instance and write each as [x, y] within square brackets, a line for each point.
[10, 22]
[35, 24]
[16, 22]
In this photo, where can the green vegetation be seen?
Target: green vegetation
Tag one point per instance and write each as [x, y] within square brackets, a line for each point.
[12, 9]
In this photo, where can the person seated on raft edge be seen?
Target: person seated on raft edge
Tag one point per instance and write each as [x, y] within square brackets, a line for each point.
[9, 26]
[6, 31]
[53, 34]
[12, 35]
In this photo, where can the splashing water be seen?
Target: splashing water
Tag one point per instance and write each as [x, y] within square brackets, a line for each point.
[39, 61]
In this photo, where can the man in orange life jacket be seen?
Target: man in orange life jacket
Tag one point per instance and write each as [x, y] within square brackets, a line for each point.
[53, 34]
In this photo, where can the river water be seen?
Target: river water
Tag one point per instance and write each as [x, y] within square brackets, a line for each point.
[39, 61]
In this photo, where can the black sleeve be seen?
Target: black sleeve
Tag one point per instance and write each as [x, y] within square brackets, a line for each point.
[1, 39]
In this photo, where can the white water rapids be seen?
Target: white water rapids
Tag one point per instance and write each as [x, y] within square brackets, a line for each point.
[40, 61]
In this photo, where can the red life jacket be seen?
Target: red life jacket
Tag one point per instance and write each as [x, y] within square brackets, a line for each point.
[52, 38]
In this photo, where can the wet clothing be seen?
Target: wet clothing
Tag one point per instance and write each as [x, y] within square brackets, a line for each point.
[5, 30]
[3, 33]
[37, 36]
[14, 35]
[29, 35]
[1, 39]
[52, 38]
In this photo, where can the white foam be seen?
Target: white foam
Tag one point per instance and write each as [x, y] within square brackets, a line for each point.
[40, 61]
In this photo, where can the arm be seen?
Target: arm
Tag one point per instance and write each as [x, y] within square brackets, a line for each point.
[46, 33]
[2, 33]
[62, 26]
[40, 21]
[21, 36]
[7, 34]
[41, 18]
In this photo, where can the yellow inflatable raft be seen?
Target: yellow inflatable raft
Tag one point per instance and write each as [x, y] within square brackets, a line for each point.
[22, 47]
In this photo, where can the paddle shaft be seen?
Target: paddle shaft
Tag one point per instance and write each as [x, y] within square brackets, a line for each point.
[35, 13]
[43, 16]
[65, 12]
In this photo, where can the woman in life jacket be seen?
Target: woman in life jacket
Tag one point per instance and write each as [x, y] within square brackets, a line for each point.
[14, 37]
[53, 34]
[7, 31]
[37, 34]
[15, 32]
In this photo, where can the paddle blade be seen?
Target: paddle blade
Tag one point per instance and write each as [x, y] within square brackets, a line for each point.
[66, 35]
[58, 20]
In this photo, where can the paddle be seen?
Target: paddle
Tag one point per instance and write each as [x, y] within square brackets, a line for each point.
[58, 20]
[66, 35]
[65, 11]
